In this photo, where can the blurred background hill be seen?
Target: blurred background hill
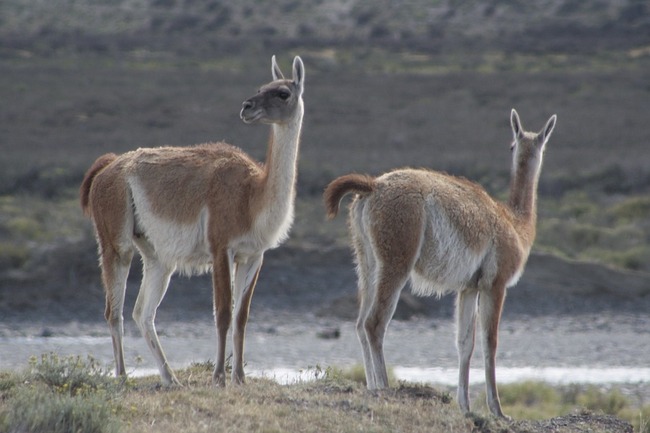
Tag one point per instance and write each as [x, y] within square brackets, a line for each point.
[429, 25]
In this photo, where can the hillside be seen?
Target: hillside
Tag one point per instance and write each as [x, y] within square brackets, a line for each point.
[208, 25]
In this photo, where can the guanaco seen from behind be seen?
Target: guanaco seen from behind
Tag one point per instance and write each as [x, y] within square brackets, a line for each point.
[446, 235]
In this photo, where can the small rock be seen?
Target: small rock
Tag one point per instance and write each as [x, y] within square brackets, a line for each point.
[329, 333]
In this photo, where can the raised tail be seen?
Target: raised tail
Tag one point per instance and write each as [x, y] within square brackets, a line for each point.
[339, 187]
[84, 190]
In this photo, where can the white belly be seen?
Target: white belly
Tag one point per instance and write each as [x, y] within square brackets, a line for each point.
[183, 247]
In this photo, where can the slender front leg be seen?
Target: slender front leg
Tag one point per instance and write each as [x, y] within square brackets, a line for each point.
[244, 286]
[221, 285]
[490, 307]
[465, 335]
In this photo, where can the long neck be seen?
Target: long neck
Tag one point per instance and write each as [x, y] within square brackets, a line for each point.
[278, 189]
[523, 197]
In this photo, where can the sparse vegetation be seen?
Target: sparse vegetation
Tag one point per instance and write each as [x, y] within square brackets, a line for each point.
[60, 396]
[597, 227]
[72, 375]
[40, 411]
[87, 78]
[74, 394]
[537, 401]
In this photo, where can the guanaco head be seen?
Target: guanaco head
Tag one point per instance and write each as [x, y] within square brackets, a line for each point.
[277, 101]
[528, 147]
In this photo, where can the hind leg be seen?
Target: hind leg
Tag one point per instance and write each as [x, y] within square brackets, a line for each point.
[155, 281]
[110, 207]
[366, 264]
[390, 230]
[115, 270]
[366, 295]
[379, 312]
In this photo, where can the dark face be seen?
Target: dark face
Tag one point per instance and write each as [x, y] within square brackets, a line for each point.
[274, 103]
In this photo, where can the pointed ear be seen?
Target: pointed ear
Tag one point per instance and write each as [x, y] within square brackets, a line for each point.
[515, 123]
[299, 73]
[545, 133]
[275, 70]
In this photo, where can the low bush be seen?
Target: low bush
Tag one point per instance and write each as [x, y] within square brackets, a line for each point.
[36, 410]
[60, 395]
[630, 210]
[73, 375]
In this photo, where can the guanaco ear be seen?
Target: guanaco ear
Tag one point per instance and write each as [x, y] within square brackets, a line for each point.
[275, 70]
[298, 73]
[515, 123]
[545, 133]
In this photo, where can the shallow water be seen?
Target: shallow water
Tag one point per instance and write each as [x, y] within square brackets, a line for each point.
[555, 350]
[449, 376]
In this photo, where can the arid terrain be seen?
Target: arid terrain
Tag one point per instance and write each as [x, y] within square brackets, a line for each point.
[412, 85]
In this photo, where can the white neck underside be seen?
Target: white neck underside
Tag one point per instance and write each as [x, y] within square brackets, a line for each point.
[276, 215]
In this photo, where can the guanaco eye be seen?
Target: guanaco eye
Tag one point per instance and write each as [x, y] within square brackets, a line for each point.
[284, 95]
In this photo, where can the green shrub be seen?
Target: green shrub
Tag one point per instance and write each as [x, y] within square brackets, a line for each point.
[538, 400]
[37, 411]
[622, 245]
[530, 400]
[13, 256]
[640, 418]
[594, 399]
[635, 258]
[528, 393]
[72, 375]
[25, 227]
[59, 395]
[355, 373]
[8, 381]
[577, 205]
[569, 236]
[631, 209]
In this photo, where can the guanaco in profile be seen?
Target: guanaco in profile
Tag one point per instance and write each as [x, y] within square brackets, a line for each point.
[446, 235]
[196, 209]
